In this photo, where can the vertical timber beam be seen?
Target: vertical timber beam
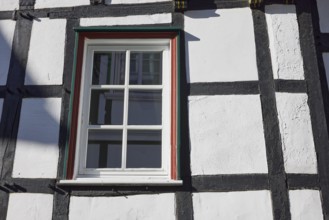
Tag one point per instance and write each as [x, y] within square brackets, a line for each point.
[184, 204]
[305, 11]
[276, 172]
[62, 198]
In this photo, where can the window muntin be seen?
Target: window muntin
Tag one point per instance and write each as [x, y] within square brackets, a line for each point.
[122, 82]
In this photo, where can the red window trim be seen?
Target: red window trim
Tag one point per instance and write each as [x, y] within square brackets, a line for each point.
[77, 88]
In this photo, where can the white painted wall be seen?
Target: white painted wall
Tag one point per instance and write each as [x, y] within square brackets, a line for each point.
[220, 45]
[323, 8]
[30, 206]
[287, 61]
[249, 205]
[127, 20]
[226, 135]
[146, 207]
[7, 28]
[59, 3]
[6, 5]
[305, 205]
[326, 65]
[46, 55]
[296, 133]
[36, 153]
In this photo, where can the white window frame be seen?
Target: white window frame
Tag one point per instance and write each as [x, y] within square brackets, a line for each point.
[127, 176]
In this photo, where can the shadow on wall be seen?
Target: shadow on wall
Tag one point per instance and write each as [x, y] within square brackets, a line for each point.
[278, 9]
[39, 118]
[203, 14]
[5, 52]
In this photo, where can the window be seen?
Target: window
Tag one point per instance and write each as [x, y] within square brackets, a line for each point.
[124, 109]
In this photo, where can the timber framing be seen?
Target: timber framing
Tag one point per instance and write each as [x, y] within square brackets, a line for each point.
[313, 44]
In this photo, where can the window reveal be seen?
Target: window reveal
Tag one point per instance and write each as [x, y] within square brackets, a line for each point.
[125, 124]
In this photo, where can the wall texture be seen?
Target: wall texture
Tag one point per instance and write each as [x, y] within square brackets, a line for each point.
[254, 110]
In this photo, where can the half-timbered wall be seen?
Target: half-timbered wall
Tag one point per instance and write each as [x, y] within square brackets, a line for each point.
[254, 110]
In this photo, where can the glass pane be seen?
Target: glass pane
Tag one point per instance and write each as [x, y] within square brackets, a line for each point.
[104, 149]
[144, 149]
[145, 68]
[106, 107]
[144, 107]
[109, 68]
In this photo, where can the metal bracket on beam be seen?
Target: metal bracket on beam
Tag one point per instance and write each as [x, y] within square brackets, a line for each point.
[180, 5]
[255, 3]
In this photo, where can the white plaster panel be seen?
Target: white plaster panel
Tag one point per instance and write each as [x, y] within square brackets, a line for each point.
[109, 2]
[46, 55]
[59, 3]
[36, 153]
[326, 65]
[220, 45]
[30, 206]
[146, 207]
[323, 8]
[7, 5]
[287, 61]
[248, 205]
[296, 133]
[7, 28]
[305, 205]
[127, 20]
[226, 135]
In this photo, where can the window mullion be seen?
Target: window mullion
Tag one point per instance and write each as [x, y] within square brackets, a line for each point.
[140, 69]
[125, 113]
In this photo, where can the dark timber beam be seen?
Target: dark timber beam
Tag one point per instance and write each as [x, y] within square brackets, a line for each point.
[276, 173]
[305, 15]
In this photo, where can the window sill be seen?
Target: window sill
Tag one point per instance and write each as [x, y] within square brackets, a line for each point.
[105, 182]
